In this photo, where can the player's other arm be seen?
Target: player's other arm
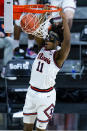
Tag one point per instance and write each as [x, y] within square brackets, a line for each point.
[61, 55]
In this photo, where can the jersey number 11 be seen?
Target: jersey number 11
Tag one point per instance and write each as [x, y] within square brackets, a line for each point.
[40, 67]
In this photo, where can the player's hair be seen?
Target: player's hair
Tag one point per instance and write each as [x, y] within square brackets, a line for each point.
[59, 30]
[52, 36]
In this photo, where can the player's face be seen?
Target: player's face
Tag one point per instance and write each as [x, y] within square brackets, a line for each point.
[51, 45]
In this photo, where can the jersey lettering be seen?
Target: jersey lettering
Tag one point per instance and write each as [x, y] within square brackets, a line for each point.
[42, 57]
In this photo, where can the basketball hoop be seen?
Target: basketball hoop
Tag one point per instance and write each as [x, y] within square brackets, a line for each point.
[38, 24]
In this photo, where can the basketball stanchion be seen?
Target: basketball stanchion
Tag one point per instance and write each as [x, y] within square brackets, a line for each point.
[8, 16]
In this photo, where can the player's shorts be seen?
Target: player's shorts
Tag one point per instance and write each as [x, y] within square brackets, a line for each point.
[39, 106]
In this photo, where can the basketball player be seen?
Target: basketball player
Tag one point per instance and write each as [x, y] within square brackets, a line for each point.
[41, 95]
[68, 7]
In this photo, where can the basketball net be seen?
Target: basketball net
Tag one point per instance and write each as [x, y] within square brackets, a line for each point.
[42, 30]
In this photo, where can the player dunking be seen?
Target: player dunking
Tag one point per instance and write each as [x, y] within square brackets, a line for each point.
[41, 95]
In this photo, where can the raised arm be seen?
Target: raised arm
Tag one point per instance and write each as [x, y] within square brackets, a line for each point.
[61, 55]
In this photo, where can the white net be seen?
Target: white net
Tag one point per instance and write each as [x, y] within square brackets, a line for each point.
[42, 30]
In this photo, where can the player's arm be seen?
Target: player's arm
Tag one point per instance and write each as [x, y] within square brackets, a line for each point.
[61, 55]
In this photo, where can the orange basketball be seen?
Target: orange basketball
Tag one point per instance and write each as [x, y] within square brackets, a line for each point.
[29, 23]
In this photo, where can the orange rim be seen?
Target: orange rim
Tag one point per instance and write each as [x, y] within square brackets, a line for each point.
[19, 9]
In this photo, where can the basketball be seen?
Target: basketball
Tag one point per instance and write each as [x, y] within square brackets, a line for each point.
[29, 23]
